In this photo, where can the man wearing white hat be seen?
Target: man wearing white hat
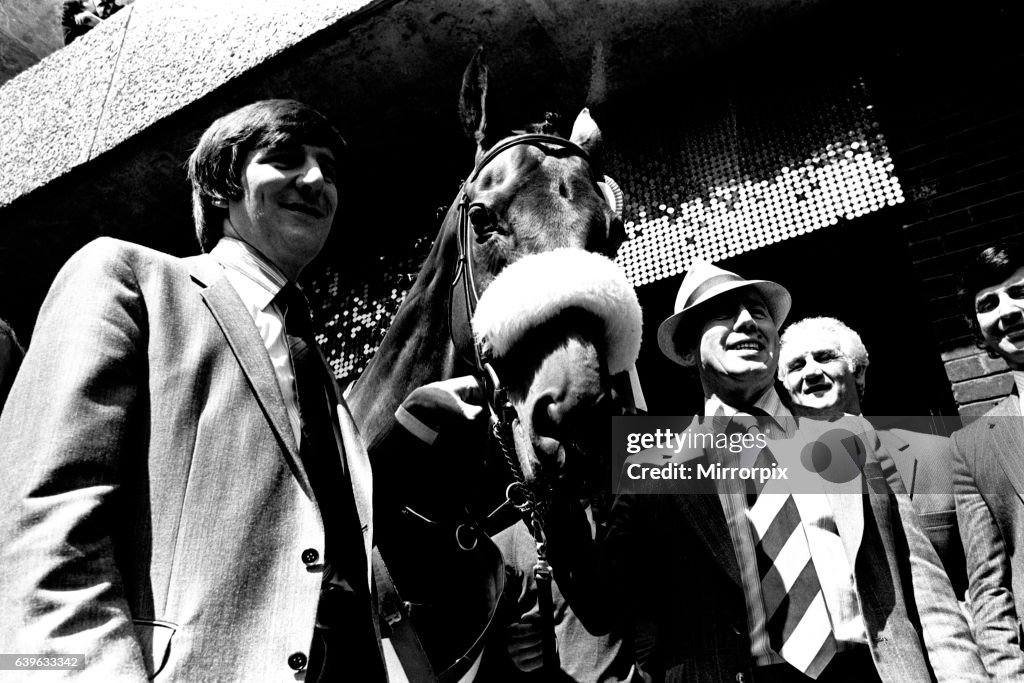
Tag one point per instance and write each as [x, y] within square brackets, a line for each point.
[814, 583]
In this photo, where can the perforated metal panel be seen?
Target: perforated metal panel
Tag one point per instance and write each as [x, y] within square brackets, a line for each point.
[354, 311]
[750, 177]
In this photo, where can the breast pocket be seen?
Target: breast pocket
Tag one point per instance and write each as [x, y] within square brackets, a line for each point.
[938, 526]
[155, 640]
[938, 520]
[941, 529]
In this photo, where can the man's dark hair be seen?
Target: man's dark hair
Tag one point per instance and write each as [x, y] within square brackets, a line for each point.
[215, 167]
[989, 268]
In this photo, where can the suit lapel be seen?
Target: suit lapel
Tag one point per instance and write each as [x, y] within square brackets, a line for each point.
[360, 478]
[354, 459]
[905, 463]
[1008, 440]
[245, 342]
[847, 501]
[706, 517]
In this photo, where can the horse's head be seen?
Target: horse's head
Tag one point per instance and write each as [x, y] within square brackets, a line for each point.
[553, 329]
[524, 196]
[530, 195]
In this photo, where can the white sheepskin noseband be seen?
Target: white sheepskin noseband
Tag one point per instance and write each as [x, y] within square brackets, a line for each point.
[538, 287]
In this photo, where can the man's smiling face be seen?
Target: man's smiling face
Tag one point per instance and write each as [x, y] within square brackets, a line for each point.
[1000, 313]
[818, 374]
[739, 341]
[287, 205]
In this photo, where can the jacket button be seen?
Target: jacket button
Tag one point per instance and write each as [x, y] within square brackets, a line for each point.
[310, 556]
[297, 661]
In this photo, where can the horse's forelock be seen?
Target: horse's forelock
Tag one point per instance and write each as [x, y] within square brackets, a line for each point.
[544, 222]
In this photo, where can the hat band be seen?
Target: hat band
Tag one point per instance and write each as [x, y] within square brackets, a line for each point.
[708, 284]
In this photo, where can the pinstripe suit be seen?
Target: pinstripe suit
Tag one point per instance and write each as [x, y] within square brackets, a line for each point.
[670, 562]
[154, 508]
[988, 480]
[925, 466]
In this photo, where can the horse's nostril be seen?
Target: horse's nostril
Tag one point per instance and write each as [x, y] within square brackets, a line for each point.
[545, 417]
[563, 189]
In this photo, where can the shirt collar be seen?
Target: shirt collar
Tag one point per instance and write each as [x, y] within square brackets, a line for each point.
[769, 402]
[263, 280]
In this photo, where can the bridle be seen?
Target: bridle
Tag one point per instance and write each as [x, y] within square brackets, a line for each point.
[467, 296]
[462, 301]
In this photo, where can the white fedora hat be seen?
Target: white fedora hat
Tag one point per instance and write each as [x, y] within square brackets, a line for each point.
[704, 282]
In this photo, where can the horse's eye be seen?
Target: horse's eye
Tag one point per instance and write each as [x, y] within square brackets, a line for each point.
[481, 218]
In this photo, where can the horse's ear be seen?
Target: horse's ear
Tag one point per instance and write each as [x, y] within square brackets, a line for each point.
[587, 135]
[473, 98]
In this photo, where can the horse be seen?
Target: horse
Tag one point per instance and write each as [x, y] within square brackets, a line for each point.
[529, 194]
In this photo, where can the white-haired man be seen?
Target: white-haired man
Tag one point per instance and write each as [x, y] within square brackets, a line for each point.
[823, 367]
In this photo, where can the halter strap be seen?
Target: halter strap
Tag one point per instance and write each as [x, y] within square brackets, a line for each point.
[535, 139]
[464, 270]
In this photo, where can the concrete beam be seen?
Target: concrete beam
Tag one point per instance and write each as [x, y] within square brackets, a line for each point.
[142, 65]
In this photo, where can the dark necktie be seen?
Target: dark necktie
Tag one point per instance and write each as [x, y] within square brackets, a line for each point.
[797, 621]
[309, 372]
[342, 638]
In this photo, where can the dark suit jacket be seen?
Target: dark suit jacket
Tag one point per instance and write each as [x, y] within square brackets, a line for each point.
[925, 465]
[154, 511]
[989, 483]
[668, 565]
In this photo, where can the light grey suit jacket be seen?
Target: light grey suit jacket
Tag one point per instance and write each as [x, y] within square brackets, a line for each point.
[925, 466]
[153, 507]
[988, 479]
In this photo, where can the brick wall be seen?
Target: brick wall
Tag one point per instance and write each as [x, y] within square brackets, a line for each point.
[951, 109]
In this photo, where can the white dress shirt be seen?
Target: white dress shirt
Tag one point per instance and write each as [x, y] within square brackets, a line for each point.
[257, 282]
[834, 568]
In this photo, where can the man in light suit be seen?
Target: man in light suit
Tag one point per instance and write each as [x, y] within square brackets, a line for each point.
[857, 594]
[185, 495]
[988, 474]
[823, 368]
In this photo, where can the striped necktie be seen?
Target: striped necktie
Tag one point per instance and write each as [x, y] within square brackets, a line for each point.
[797, 621]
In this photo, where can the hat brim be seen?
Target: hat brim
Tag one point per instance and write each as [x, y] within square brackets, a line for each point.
[775, 296]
